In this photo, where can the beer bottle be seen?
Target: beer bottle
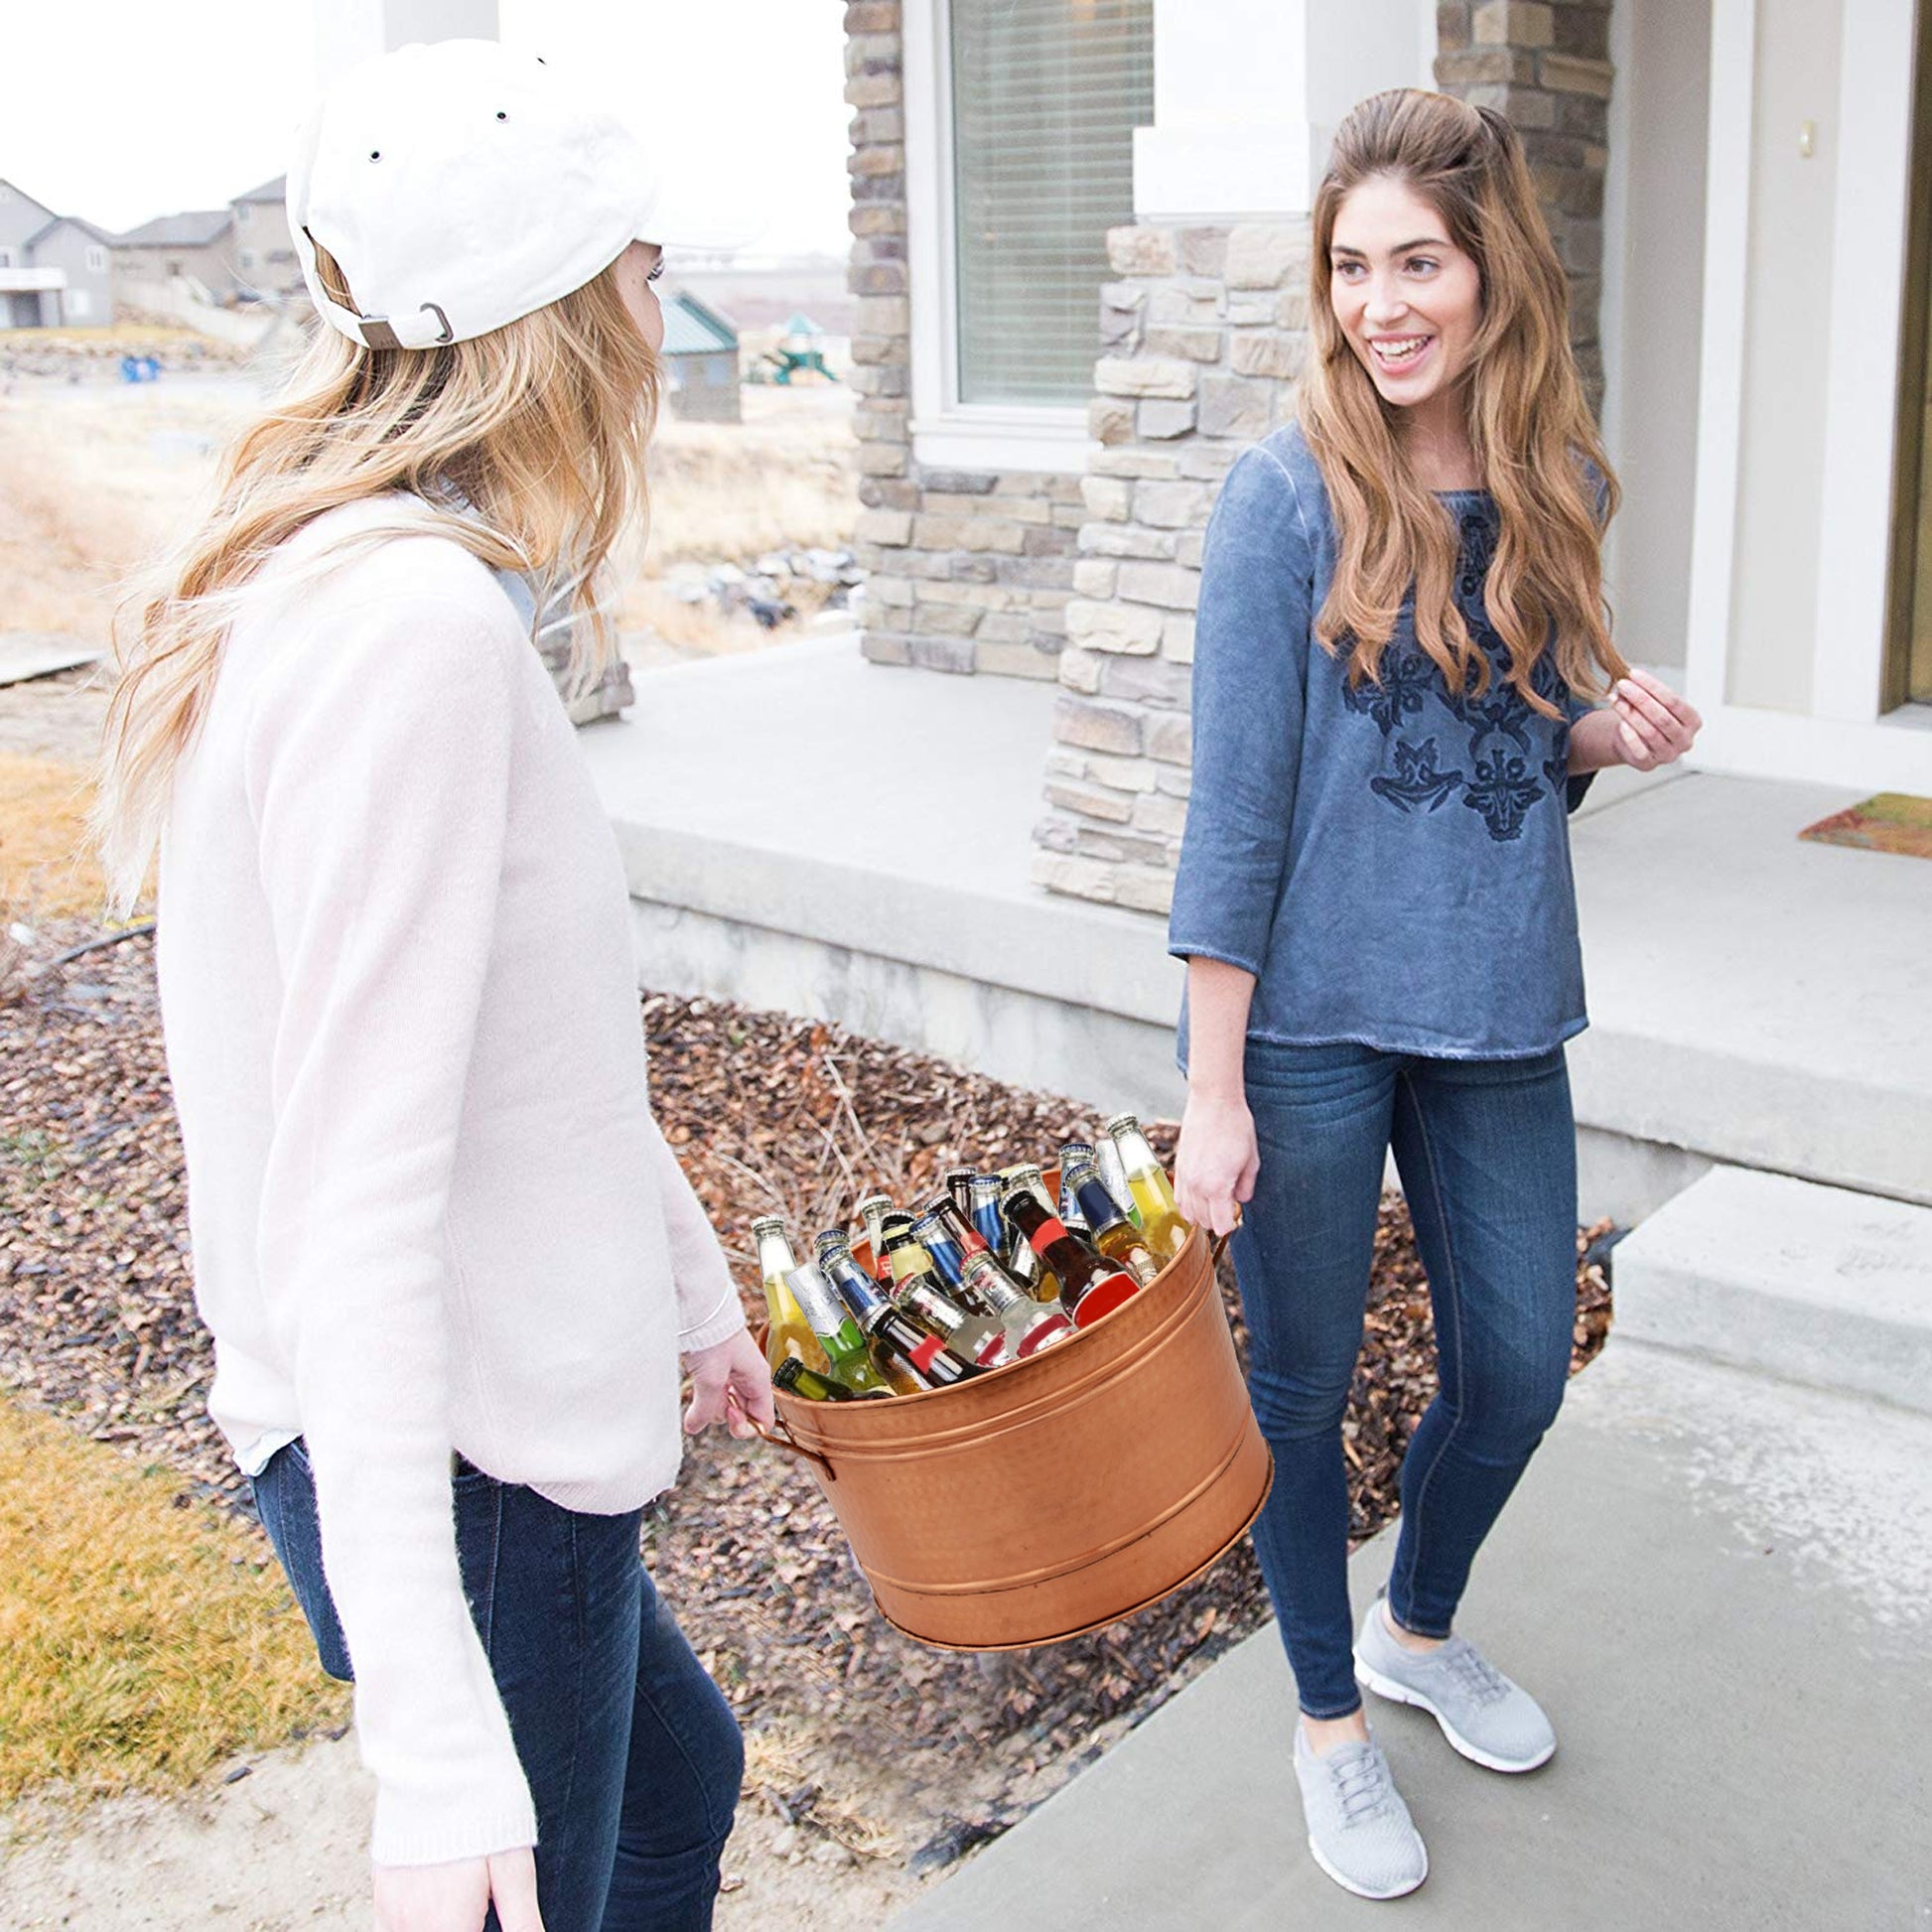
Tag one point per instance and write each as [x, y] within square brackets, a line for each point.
[872, 1213]
[1113, 1177]
[829, 1239]
[1073, 1155]
[1023, 1264]
[959, 1187]
[983, 1210]
[793, 1374]
[905, 1253]
[1167, 1233]
[863, 1299]
[850, 1358]
[787, 1331]
[942, 1245]
[1110, 1230]
[1090, 1285]
[925, 1354]
[1028, 1325]
[977, 1338]
[943, 1226]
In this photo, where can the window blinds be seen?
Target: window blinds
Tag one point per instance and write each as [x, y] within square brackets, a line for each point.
[1045, 97]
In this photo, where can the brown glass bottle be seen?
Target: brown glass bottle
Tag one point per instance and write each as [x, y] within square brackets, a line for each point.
[1092, 1285]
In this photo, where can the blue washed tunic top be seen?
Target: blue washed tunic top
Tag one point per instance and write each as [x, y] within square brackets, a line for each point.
[1392, 861]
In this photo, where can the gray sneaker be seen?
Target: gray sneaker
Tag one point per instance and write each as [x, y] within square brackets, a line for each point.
[1359, 1830]
[1489, 1719]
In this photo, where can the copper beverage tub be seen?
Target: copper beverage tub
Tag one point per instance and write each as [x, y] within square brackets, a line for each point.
[1058, 1495]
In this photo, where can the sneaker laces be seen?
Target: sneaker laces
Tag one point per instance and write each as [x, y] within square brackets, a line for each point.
[1361, 1781]
[1474, 1673]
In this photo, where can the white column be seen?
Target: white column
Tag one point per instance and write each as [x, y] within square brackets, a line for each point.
[348, 30]
[1247, 96]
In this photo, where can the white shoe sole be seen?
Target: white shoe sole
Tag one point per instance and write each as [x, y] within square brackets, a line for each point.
[1362, 1892]
[1387, 1687]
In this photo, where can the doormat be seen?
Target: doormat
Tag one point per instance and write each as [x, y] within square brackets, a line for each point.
[1894, 821]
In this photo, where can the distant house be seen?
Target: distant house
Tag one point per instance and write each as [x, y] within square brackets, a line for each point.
[55, 269]
[197, 245]
[701, 356]
[265, 260]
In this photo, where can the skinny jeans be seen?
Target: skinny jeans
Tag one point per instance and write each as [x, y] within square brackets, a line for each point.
[633, 1755]
[1488, 1155]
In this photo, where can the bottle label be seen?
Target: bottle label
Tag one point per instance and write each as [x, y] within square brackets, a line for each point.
[1047, 1233]
[924, 1356]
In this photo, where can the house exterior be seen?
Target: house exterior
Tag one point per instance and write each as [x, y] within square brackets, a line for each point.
[701, 360]
[197, 245]
[265, 261]
[1080, 240]
[56, 270]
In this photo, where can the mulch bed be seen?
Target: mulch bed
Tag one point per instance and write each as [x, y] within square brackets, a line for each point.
[768, 1113]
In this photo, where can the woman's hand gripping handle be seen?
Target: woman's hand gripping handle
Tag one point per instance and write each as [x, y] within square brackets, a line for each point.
[1219, 1158]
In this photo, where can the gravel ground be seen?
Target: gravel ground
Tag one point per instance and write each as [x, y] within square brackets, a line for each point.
[899, 1757]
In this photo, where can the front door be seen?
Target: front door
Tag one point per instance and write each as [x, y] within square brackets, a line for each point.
[1908, 669]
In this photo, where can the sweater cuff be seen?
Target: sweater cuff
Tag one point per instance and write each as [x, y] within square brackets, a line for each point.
[720, 1325]
[416, 1831]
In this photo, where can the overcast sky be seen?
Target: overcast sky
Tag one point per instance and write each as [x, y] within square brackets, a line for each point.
[118, 111]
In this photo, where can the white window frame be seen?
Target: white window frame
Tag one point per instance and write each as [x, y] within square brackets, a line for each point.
[6, 258]
[96, 261]
[948, 434]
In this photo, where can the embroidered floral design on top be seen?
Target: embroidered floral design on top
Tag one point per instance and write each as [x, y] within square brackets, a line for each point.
[1508, 778]
[1417, 783]
[1403, 685]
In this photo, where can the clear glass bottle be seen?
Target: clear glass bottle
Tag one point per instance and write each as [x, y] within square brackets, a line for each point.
[1167, 1233]
[787, 1332]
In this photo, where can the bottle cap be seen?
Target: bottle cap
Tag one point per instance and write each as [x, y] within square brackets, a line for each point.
[1124, 1123]
[881, 1200]
[767, 1224]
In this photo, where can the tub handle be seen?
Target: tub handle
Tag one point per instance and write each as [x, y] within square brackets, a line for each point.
[792, 1447]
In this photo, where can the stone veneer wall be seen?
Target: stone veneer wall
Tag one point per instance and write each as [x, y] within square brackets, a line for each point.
[1545, 65]
[970, 570]
[1205, 334]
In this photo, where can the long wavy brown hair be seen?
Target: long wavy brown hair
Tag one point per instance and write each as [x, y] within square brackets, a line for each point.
[525, 445]
[1536, 445]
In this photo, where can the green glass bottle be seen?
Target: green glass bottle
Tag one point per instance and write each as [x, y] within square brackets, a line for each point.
[793, 1375]
[851, 1359]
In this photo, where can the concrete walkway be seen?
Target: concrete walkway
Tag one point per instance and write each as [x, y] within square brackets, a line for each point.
[1754, 1557]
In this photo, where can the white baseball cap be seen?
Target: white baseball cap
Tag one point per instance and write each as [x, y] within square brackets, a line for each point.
[460, 186]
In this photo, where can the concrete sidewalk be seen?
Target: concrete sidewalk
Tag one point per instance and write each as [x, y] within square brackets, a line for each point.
[1722, 1588]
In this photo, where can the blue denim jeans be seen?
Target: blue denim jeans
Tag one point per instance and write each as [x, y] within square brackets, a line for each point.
[1488, 1154]
[633, 1754]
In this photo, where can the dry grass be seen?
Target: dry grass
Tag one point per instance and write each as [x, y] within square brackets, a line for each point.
[95, 478]
[783, 477]
[144, 1635]
[46, 863]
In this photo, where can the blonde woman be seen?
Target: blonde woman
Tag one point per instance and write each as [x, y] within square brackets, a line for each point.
[1401, 626]
[448, 1262]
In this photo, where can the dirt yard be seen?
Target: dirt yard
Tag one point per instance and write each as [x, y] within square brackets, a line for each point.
[96, 475]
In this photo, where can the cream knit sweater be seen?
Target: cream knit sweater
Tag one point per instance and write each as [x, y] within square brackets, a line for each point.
[428, 1203]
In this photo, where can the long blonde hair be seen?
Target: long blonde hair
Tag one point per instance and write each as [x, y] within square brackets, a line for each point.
[1537, 447]
[526, 445]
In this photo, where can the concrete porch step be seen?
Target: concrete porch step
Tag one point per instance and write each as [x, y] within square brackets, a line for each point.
[1815, 1284]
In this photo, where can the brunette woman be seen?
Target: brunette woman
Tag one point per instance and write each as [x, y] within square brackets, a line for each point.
[1401, 635]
